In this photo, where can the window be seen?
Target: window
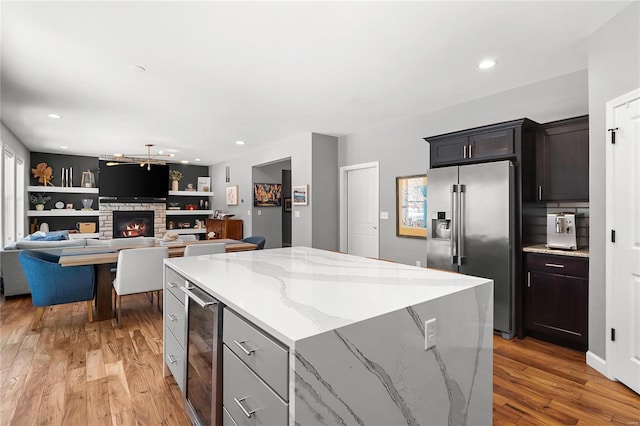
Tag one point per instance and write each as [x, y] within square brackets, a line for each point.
[1, 195]
[9, 196]
[20, 195]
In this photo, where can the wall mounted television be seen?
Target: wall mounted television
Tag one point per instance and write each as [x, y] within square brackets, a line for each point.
[129, 181]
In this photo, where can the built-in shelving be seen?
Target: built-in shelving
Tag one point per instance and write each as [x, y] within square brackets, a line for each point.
[187, 231]
[80, 236]
[189, 212]
[63, 212]
[62, 189]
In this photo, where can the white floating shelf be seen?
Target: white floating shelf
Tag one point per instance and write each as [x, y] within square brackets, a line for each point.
[186, 231]
[80, 236]
[63, 212]
[189, 212]
[63, 189]
[191, 193]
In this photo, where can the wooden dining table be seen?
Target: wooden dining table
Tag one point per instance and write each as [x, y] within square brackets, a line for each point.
[103, 258]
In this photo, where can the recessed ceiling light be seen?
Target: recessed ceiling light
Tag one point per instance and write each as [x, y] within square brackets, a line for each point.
[64, 147]
[184, 161]
[136, 68]
[196, 159]
[239, 142]
[54, 116]
[487, 63]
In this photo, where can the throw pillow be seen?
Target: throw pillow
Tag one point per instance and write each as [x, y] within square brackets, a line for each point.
[49, 236]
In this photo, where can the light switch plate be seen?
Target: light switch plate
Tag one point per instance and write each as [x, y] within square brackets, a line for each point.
[297, 213]
[384, 215]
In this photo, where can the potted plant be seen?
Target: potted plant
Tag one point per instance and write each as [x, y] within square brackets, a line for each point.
[39, 200]
[175, 176]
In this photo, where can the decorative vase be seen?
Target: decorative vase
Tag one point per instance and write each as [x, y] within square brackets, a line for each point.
[39, 206]
[174, 185]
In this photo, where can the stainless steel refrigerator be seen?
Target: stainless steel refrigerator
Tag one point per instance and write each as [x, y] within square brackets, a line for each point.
[472, 228]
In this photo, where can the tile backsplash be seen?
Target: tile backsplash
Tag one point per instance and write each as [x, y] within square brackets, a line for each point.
[535, 221]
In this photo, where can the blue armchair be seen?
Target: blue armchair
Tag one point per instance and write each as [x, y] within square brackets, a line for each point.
[257, 240]
[51, 284]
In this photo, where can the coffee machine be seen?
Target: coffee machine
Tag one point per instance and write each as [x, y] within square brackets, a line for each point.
[561, 231]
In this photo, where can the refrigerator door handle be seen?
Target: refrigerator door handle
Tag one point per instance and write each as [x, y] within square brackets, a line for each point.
[461, 213]
[454, 225]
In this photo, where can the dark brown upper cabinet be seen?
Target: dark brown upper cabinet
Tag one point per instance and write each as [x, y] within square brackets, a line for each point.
[487, 143]
[562, 164]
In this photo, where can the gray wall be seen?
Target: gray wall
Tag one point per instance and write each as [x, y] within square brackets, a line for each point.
[298, 150]
[269, 222]
[401, 151]
[614, 69]
[323, 192]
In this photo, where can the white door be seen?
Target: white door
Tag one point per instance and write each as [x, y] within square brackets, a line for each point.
[362, 210]
[624, 114]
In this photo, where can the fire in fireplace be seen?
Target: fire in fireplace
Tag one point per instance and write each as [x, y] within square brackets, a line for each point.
[137, 223]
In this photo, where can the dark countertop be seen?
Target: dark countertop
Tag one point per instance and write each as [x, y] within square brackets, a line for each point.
[541, 248]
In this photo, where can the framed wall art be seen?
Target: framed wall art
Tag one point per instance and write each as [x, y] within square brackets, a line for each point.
[267, 194]
[287, 204]
[300, 195]
[411, 206]
[204, 183]
[232, 195]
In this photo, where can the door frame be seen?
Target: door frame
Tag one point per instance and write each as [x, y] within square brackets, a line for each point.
[344, 203]
[610, 347]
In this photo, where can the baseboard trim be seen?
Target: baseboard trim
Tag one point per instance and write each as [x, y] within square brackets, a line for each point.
[598, 364]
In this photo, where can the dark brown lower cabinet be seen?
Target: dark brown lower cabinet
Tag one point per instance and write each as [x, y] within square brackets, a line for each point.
[556, 298]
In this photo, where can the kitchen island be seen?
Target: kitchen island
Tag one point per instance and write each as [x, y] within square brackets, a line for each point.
[318, 337]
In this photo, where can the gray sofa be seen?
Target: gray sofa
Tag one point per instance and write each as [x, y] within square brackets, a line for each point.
[13, 278]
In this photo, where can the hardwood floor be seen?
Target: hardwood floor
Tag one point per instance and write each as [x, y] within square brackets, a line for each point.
[71, 372]
[538, 383]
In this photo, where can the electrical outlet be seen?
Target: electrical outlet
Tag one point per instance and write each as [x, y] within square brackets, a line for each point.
[297, 213]
[418, 263]
[429, 334]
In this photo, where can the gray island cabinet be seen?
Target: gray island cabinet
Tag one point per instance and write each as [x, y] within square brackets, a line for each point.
[311, 337]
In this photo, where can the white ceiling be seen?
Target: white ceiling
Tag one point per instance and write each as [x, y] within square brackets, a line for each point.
[217, 72]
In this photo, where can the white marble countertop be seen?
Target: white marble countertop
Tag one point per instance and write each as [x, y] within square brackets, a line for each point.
[541, 248]
[295, 293]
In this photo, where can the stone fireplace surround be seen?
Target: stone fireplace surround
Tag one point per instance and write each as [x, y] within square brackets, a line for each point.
[106, 217]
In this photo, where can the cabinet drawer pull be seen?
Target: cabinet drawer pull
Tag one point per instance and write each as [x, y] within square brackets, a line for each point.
[528, 279]
[464, 151]
[171, 359]
[470, 152]
[172, 318]
[554, 265]
[245, 350]
[203, 303]
[244, 410]
[540, 192]
[172, 284]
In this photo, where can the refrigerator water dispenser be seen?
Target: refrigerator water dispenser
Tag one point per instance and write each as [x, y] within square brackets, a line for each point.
[441, 226]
